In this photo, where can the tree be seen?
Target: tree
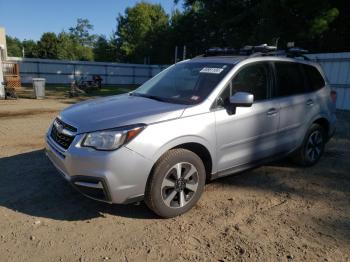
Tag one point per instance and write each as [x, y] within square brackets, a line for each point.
[239, 22]
[82, 32]
[48, 46]
[337, 36]
[105, 50]
[30, 49]
[139, 32]
[14, 46]
[69, 48]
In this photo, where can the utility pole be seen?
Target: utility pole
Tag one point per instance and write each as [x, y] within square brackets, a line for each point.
[184, 53]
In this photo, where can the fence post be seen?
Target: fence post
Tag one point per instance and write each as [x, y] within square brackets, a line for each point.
[38, 68]
[74, 75]
[106, 74]
[133, 75]
[150, 72]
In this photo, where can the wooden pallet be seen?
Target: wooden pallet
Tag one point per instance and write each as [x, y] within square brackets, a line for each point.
[11, 74]
[13, 81]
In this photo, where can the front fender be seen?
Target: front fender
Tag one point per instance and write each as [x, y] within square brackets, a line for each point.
[158, 138]
[184, 140]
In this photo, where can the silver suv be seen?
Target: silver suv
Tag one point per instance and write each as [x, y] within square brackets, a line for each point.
[198, 120]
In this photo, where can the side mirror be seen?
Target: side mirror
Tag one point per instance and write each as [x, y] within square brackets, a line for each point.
[240, 99]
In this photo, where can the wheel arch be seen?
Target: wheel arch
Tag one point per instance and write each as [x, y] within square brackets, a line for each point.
[195, 144]
[322, 121]
[203, 154]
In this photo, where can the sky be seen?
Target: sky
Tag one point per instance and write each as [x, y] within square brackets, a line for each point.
[29, 19]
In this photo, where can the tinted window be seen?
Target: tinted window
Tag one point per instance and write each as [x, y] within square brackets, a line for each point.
[315, 80]
[253, 79]
[290, 79]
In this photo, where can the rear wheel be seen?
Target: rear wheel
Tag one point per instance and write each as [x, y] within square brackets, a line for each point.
[176, 183]
[313, 146]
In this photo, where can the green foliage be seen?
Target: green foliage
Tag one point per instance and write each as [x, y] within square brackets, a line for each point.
[321, 23]
[105, 50]
[75, 45]
[81, 32]
[69, 48]
[238, 22]
[30, 49]
[14, 46]
[48, 46]
[140, 32]
[145, 33]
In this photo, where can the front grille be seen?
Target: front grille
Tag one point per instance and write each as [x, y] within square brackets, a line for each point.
[66, 126]
[61, 139]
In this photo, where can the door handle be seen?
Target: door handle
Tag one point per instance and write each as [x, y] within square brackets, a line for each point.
[310, 102]
[272, 112]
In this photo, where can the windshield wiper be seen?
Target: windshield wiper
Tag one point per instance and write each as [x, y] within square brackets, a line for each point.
[150, 97]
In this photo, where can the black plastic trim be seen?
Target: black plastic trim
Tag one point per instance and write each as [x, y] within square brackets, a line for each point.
[88, 179]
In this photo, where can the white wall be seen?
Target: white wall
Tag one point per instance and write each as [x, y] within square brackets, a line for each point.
[337, 69]
[64, 72]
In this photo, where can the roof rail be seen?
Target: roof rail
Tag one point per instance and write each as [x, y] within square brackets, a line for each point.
[264, 48]
[297, 52]
[293, 52]
[220, 51]
[256, 51]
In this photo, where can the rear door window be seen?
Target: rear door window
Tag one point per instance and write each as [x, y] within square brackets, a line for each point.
[315, 80]
[290, 79]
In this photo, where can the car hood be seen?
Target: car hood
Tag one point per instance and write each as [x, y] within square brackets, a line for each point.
[120, 110]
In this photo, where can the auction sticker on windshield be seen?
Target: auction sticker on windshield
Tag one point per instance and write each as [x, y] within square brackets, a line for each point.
[211, 70]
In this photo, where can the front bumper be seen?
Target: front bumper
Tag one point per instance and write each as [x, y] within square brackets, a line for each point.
[118, 176]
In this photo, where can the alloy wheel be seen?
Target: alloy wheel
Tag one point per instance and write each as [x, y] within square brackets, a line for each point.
[314, 146]
[179, 185]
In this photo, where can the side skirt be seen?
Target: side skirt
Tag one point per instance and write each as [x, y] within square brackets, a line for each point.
[243, 167]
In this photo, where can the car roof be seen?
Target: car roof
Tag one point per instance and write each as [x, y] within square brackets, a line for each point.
[236, 59]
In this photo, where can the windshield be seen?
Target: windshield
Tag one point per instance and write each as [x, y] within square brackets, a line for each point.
[184, 83]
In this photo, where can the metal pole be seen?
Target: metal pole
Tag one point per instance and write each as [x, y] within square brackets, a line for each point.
[184, 53]
[2, 87]
[106, 74]
[175, 54]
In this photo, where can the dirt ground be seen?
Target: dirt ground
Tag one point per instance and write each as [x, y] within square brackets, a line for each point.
[276, 212]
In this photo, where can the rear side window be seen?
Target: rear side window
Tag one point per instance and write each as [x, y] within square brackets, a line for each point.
[290, 79]
[314, 78]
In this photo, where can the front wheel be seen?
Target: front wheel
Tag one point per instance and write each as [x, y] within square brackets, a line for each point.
[176, 183]
[313, 146]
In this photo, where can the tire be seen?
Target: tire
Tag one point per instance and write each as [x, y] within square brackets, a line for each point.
[176, 183]
[312, 148]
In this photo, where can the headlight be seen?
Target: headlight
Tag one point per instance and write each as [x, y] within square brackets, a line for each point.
[111, 139]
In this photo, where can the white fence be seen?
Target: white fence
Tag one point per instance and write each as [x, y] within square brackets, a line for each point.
[64, 72]
[335, 65]
[337, 69]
